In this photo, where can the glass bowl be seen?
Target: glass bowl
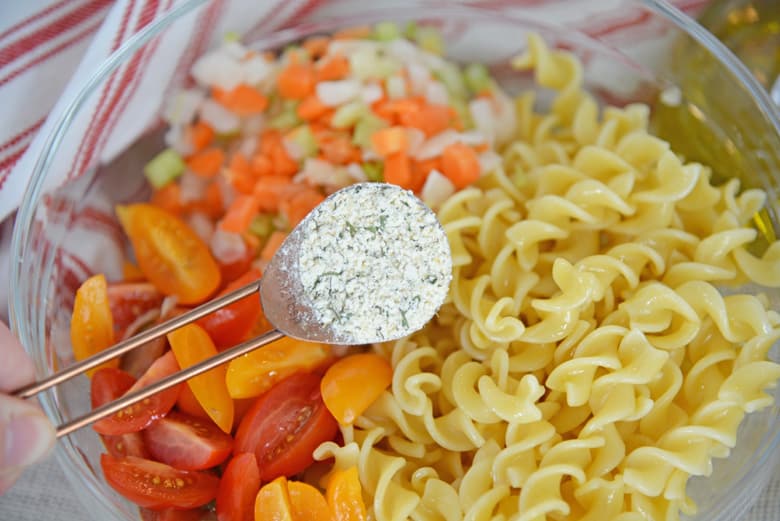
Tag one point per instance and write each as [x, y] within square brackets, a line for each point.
[703, 99]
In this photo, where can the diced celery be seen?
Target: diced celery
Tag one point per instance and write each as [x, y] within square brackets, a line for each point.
[374, 171]
[365, 127]
[477, 77]
[410, 31]
[386, 31]
[348, 114]
[462, 108]
[429, 39]
[262, 225]
[304, 138]
[164, 168]
[395, 87]
[452, 79]
[366, 63]
[231, 36]
[287, 118]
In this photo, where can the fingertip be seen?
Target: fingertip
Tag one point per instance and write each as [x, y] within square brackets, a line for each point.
[16, 368]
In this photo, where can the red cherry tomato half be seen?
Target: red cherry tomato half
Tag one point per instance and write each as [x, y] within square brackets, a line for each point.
[238, 489]
[197, 514]
[155, 485]
[128, 301]
[109, 384]
[285, 425]
[140, 415]
[229, 325]
[186, 442]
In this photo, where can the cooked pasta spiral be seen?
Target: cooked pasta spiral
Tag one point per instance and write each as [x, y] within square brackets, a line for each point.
[587, 361]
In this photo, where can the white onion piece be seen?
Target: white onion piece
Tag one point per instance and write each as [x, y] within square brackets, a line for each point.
[347, 47]
[176, 138]
[220, 118]
[437, 189]
[371, 93]
[201, 225]
[142, 320]
[335, 93]
[218, 69]
[396, 87]
[183, 106]
[505, 117]
[419, 76]
[403, 50]
[294, 149]
[257, 69]
[436, 92]
[167, 306]
[435, 145]
[322, 173]
[489, 161]
[481, 111]
[192, 186]
[416, 139]
[356, 173]
[227, 247]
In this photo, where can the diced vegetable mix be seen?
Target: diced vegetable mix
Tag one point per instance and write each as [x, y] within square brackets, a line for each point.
[257, 144]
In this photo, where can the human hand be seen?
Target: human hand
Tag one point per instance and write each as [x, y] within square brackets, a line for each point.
[26, 434]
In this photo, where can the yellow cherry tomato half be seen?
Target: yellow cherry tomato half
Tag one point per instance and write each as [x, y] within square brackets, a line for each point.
[273, 502]
[353, 383]
[91, 324]
[191, 344]
[345, 496]
[254, 373]
[308, 503]
[169, 253]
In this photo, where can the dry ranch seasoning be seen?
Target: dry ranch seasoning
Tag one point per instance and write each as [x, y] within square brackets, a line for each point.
[374, 263]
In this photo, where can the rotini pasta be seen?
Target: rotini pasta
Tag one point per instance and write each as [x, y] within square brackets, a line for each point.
[585, 364]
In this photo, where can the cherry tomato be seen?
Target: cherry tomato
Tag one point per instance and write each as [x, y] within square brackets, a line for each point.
[238, 489]
[345, 496]
[130, 300]
[155, 485]
[195, 514]
[273, 502]
[188, 404]
[254, 373]
[108, 384]
[307, 502]
[170, 253]
[186, 442]
[229, 325]
[191, 344]
[353, 383]
[232, 270]
[140, 415]
[91, 325]
[285, 425]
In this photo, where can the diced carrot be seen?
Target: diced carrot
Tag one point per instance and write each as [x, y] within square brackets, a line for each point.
[201, 135]
[243, 99]
[131, 272]
[398, 170]
[240, 214]
[459, 163]
[168, 198]
[391, 109]
[252, 242]
[336, 147]
[316, 46]
[311, 108]
[299, 205]
[261, 165]
[390, 140]
[240, 174]
[431, 119]
[326, 117]
[272, 147]
[296, 81]
[212, 203]
[335, 68]
[207, 162]
[353, 33]
[272, 244]
[420, 171]
[271, 189]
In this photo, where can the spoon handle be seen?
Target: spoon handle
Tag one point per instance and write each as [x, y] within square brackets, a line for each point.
[169, 381]
[137, 340]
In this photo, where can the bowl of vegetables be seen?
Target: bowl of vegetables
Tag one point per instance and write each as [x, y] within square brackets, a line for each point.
[608, 348]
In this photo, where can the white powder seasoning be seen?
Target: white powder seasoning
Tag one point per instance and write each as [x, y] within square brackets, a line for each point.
[374, 263]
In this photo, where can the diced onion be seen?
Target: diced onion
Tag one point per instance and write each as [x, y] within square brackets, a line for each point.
[227, 247]
[192, 186]
[489, 161]
[218, 69]
[371, 93]
[437, 189]
[183, 106]
[434, 146]
[335, 93]
[201, 224]
[356, 172]
[220, 118]
[436, 92]
[257, 70]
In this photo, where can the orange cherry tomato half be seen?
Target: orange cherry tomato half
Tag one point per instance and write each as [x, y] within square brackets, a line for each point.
[285, 425]
[191, 344]
[170, 253]
[353, 383]
[155, 485]
[186, 442]
[254, 373]
[138, 416]
[91, 325]
[273, 502]
[344, 495]
[238, 489]
[229, 325]
[307, 502]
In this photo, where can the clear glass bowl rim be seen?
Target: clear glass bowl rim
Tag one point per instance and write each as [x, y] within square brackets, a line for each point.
[68, 455]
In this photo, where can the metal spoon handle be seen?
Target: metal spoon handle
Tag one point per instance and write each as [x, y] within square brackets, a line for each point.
[137, 340]
[167, 382]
